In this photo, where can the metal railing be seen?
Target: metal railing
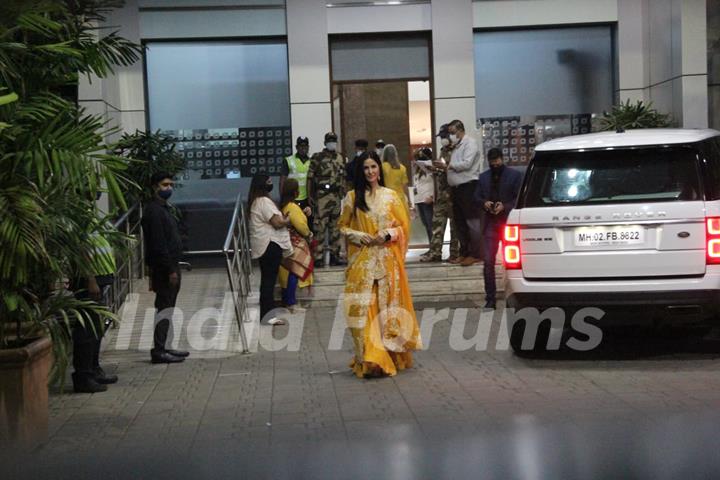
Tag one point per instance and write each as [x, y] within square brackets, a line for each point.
[239, 267]
[129, 267]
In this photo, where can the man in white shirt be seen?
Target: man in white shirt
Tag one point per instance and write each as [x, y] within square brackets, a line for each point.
[462, 175]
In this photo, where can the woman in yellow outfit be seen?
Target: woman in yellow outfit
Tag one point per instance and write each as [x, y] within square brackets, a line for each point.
[301, 259]
[378, 304]
[395, 174]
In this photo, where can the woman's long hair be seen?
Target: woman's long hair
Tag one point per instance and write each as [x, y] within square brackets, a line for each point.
[360, 184]
[390, 155]
[258, 188]
[289, 192]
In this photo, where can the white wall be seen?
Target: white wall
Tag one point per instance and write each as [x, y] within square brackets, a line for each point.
[377, 18]
[454, 72]
[515, 13]
[663, 57]
[309, 71]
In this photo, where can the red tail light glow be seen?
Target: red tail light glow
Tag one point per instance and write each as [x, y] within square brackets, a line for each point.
[712, 240]
[511, 247]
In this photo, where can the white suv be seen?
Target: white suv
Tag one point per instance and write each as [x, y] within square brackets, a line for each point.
[627, 222]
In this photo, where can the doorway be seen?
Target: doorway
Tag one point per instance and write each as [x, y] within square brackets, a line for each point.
[395, 111]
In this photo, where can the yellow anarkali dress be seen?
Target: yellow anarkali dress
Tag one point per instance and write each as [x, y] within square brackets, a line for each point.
[377, 304]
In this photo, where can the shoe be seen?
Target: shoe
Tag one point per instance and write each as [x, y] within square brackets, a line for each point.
[467, 261]
[296, 309]
[276, 321]
[84, 383]
[103, 378]
[165, 357]
[178, 353]
[456, 260]
[489, 305]
[430, 259]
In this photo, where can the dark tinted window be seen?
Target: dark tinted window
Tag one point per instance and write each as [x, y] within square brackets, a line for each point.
[711, 168]
[653, 174]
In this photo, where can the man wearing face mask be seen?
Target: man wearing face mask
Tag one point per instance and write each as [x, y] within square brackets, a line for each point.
[497, 190]
[297, 167]
[326, 188]
[361, 146]
[163, 249]
[462, 175]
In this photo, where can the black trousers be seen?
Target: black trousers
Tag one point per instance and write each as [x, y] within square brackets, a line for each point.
[165, 298]
[269, 266]
[88, 338]
[468, 219]
[491, 240]
[86, 345]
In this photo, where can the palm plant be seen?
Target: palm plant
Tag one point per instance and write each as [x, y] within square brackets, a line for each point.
[149, 153]
[627, 116]
[52, 164]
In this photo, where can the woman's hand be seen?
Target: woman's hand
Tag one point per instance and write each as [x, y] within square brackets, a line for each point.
[360, 238]
[307, 211]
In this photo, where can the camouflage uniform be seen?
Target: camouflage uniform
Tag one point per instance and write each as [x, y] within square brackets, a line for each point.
[442, 211]
[327, 176]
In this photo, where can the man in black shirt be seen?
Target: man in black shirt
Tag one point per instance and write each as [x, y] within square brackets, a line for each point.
[163, 248]
[497, 192]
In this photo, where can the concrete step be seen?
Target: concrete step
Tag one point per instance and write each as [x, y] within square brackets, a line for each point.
[428, 283]
[415, 271]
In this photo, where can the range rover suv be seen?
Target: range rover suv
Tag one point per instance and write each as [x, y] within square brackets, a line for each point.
[627, 222]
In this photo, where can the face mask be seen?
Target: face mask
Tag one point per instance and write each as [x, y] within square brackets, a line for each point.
[379, 152]
[268, 187]
[444, 142]
[453, 138]
[165, 194]
[358, 153]
[332, 146]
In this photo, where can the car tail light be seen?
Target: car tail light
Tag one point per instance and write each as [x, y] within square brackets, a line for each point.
[511, 247]
[712, 240]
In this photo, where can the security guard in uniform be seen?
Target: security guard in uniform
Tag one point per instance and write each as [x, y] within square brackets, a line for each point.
[297, 166]
[326, 188]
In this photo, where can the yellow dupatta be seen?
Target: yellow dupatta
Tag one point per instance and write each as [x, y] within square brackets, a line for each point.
[377, 303]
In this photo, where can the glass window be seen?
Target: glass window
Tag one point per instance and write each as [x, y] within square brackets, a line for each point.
[613, 176]
[543, 71]
[227, 104]
[201, 85]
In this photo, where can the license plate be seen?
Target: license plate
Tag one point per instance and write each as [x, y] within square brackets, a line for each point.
[609, 236]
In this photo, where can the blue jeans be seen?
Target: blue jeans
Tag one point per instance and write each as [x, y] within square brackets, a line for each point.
[288, 294]
[491, 241]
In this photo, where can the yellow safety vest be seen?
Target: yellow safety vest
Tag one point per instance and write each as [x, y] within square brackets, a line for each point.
[102, 259]
[299, 171]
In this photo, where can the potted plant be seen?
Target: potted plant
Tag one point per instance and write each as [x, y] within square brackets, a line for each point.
[51, 167]
[626, 116]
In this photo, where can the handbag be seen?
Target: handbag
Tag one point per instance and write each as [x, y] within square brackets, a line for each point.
[301, 261]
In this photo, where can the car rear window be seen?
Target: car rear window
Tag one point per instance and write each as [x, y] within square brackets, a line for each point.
[648, 174]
